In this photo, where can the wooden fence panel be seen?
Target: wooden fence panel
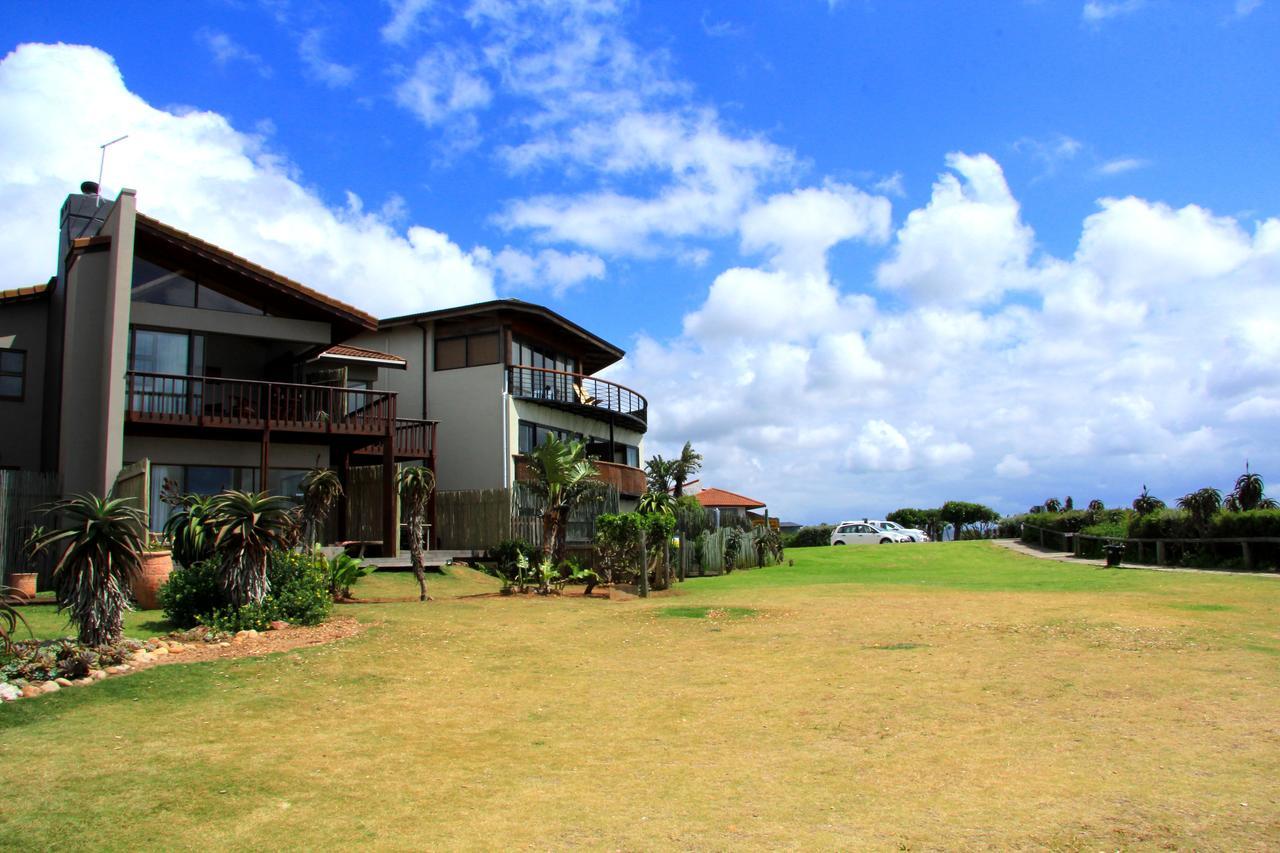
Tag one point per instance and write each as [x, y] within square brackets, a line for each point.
[22, 494]
[364, 504]
[476, 519]
[134, 481]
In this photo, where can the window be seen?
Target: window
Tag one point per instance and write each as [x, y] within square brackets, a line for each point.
[533, 355]
[159, 285]
[531, 435]
[468, 351]
[13, 374]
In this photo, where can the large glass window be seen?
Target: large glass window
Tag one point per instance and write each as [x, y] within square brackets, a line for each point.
[160, 285]
[13, 374]
[531, 435]
[175, 355]
[214, 479]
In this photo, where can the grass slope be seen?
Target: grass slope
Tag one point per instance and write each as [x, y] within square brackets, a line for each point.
[944, 696]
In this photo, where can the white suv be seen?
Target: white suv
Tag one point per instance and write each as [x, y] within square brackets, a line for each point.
[864, 533]
[912, 534]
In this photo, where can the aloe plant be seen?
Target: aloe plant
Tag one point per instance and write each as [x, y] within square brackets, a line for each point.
[188, 529]
[101, 541]
[321, 490]
[9, 619]
[247, 527]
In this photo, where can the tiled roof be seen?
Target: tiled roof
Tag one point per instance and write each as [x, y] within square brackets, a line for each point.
[346, 351]
[220, 254]
[719, 497]
[24, 294]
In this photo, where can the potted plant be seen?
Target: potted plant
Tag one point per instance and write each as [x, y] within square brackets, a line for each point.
[23, 584]
[155, 566]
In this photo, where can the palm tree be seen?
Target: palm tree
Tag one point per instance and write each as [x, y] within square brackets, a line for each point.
[416, 483]
[1201, 506]
[682, 469]
[1145, 503]
[660, 473]
[563, 477]
[103, 540]
[1096, 506]
[321, 489]
[247, 527]
[1053, 505]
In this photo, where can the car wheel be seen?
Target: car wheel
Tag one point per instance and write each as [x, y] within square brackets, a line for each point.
[885, 541]
[837, 542]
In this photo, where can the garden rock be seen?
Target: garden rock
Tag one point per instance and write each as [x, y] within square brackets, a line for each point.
[29, 690]
[50, 687]
[9, 692]
[159, 650]
[119, 668]
[97, 674]
[277, 625]
[62, 682]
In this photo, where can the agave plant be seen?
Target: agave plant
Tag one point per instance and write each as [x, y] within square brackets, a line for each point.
[416, 483]
[321, 490]
[188, 529]
[247, 527]
[1096, 506]
[101, 541]
[1053, 505]
[656, 502]
[344, 571]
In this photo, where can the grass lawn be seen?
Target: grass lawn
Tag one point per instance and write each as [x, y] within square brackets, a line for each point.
[918, 696]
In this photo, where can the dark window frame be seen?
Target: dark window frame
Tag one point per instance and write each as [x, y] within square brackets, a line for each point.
[21, 396]
[468, 358]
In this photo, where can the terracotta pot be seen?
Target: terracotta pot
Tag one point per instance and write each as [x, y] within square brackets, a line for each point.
[23, 583]
[156, 566]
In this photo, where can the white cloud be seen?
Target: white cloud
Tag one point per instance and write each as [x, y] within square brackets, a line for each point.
[1012, 467]
[550, 270]
[1152, 354]
[1052, 152]
[198, 173]
[968, 244]
[317, 63]
[798, 228]
[443, 84]
[226, 51]
[404, 19]
[1245, 8]
[1096, 11]
[1121, 165]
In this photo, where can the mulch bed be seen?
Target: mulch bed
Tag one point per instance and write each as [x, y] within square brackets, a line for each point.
[267, 642]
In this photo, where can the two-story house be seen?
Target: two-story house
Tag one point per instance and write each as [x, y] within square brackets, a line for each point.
[151, 344]
[503, 375]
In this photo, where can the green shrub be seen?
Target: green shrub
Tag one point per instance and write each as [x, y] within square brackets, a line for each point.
[1257, 522]
[191, 592]
[299, 591]
[814, 534]
[299, 594]
[1162, 524]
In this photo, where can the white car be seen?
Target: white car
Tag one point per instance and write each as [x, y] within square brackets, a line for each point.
[863, 533]
[912, 534]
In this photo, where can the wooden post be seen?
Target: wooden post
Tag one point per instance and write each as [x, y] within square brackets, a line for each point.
[1075, 540]
[1042, 545]
[644, 567]
[1247, 554]
[1159, 552]
[344, 477]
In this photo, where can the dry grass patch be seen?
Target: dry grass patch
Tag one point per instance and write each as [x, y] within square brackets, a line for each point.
[957, 701]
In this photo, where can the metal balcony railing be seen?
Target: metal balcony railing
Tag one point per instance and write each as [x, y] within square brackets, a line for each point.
[578, 391]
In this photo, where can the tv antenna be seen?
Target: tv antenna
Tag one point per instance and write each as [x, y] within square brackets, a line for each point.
[103, 161]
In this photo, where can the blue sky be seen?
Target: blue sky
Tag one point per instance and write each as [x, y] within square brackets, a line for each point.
[861, 253]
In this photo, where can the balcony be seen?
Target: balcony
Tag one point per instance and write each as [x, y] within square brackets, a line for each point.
[580, 394]
[164, 402]
[624, 478]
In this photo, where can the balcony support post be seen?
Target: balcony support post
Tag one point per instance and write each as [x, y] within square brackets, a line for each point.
[390, 518]
[343, 465]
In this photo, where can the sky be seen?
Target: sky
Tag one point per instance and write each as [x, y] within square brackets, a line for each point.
[863, 254]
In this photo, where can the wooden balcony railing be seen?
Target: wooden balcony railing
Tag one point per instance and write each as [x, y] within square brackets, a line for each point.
[413, 440]
[627, 480]
[585, 394]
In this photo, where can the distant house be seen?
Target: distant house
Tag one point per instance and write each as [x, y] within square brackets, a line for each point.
[726, 506]
[787, 527]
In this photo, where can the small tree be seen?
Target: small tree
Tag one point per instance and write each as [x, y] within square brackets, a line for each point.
[564, 478]
[660, 474]
[1050, 505]
[960, 513]
[1201, 505]
[321, 490]
[1146, 503]
[683, 469]
[416, 483]
[102, 542]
